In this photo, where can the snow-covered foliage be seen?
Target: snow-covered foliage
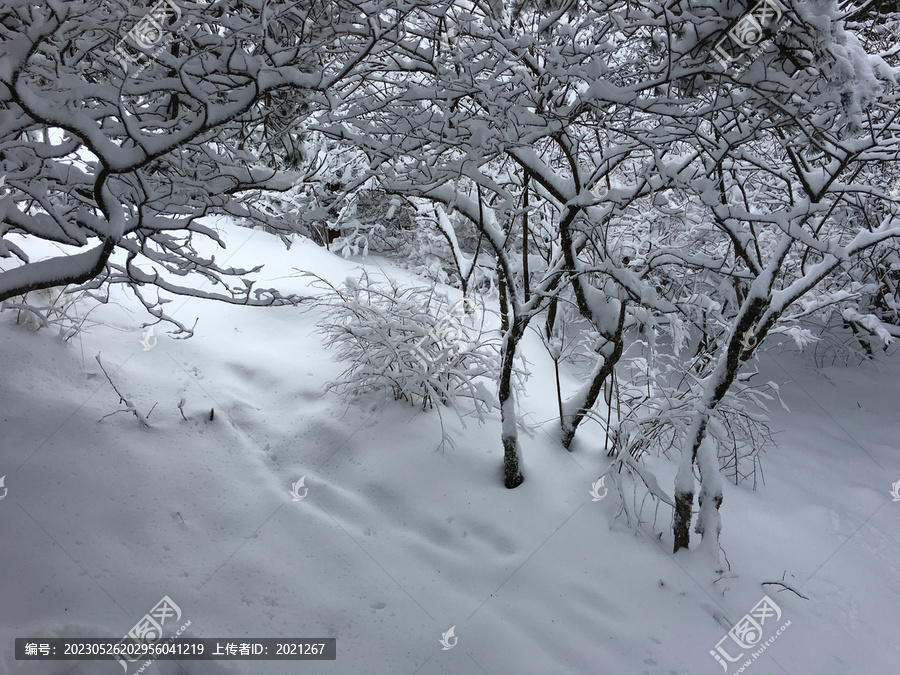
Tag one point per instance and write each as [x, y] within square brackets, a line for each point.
[116, 139]
[411, 343]
[653, 406]
[55, 308]
[680, 197]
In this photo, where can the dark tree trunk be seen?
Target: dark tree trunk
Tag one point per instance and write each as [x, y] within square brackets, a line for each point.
[512, 473]
[525, 275]
[551, 316]
[504, 306]
[681, 528]
[570, 423]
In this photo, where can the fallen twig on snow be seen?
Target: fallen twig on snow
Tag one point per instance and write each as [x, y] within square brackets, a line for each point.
[784, 586]
[128, 404]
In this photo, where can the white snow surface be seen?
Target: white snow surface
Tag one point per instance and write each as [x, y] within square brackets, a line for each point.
[395, 542]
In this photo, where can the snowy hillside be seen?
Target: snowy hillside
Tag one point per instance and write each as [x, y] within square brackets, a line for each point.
[391, 541]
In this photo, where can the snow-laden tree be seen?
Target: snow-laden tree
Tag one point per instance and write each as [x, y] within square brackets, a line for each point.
[121, 126]
[777, 157]
[761, 161]
[464, 122]
[412, 343]
[687, 178]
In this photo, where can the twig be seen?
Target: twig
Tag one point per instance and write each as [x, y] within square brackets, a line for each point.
[112, 413]
[128, 404]
[785, 586]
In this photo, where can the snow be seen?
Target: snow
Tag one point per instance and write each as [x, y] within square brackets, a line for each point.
[395, 542]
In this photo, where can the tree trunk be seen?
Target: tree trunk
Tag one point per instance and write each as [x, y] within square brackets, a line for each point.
[512, 473]
[577, 407]
[684, 483]
[709, 523]
[504, 306]
[525, 275]
[717, 385]
[551, 316]
[681, 527]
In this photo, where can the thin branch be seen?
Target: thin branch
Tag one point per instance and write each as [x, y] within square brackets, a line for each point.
[128, 404]
[784, 586]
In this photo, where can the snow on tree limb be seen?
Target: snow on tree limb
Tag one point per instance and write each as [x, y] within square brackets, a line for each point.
[58, 271]
[100, 140]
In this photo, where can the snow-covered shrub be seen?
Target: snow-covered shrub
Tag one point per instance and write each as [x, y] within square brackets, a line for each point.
[655, 403]
[63, 308]
[412, 342]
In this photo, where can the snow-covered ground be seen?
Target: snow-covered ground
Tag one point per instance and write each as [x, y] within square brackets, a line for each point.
[396, 541]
